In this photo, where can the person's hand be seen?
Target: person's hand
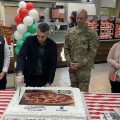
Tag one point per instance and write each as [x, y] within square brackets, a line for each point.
[117, 65]
[19, 80]
[74, 66]
[47, 85]
[2, 74]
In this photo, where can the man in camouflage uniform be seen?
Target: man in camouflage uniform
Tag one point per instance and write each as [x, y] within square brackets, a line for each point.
[80, 49]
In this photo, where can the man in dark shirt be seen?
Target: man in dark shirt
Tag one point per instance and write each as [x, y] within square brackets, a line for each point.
[37, 59]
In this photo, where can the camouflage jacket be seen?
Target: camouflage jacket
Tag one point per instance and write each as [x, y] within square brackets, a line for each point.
[80, 46]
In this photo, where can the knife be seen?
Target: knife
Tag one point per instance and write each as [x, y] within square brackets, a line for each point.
[19, 92]
[19, 78]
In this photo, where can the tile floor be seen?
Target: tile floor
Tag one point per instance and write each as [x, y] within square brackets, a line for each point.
[99, 82]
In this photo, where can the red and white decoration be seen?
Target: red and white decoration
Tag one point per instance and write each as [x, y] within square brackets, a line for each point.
[25, 20]
[96, 103]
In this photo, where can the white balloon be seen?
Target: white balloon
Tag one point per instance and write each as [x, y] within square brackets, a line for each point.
[17, 35]
[37, 19]
[22, 4]
[34, 14]
[21, 28]
[28, 21]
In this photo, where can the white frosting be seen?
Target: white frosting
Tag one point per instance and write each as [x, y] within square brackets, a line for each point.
[40, 112]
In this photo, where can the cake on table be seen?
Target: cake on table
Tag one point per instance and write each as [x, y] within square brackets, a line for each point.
[46, 103]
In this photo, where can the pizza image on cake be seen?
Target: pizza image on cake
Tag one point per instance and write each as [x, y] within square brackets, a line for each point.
[46, 97]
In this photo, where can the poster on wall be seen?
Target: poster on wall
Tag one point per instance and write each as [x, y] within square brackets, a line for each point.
[7, 32]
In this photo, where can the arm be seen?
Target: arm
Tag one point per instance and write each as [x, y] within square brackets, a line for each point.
[73, 66]
[6, 60]
[110, 59]
[67, 49]
[53, 64]
[21, 58]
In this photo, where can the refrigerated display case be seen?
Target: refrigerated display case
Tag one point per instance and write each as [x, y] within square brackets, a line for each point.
[117, 28]
[106, 27]
[93, 22]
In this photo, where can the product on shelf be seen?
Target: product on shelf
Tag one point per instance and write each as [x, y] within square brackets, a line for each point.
[106, 27]
[117, 28]
[93, 22]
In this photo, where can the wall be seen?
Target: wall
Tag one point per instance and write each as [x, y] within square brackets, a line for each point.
[89, 7]
[108, 3]
[2, 15]
[116, 11]
[111, 11]
[10, 13]
[105, 11]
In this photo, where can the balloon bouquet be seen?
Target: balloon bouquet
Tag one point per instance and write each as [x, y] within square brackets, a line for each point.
[25, 23]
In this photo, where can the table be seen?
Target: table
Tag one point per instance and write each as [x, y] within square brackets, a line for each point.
[99, 103]
[96, 103]
[5, 98]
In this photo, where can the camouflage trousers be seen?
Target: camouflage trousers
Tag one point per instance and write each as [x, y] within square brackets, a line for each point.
[80, 79]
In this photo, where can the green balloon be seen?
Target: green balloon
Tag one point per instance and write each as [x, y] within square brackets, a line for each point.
[21, 39]
[17, 50]
[33, 28]
[25, 35]
[19, 43]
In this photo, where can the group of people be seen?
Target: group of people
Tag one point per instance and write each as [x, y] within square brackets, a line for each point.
[37, 59]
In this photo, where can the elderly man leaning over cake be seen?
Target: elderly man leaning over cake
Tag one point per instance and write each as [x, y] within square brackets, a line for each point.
[37, 59]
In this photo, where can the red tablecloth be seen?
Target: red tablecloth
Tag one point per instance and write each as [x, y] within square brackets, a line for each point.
[96, 103]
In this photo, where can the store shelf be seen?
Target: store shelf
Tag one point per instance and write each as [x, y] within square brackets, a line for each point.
[93, 22]
[106, 27]
[117, 28]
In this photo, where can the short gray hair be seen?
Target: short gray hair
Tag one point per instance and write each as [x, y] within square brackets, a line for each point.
[43, 27]
[83, 11]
